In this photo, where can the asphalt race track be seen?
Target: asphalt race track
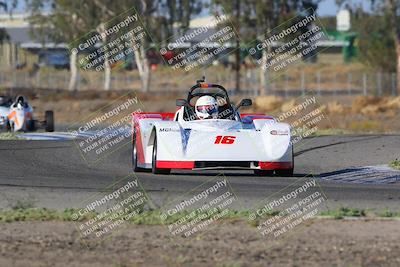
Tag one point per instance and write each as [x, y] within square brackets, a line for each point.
[52, 174]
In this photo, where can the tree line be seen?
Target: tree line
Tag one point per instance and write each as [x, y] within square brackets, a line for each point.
[66, 20]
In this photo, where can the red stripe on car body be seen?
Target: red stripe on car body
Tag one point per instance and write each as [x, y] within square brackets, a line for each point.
[136, 116]
[163, 164]
[275, 165]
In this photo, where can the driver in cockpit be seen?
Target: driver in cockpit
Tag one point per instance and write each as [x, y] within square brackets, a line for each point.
[20, 100]
[206, 107]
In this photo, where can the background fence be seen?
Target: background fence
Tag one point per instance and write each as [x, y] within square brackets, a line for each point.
[285, 85]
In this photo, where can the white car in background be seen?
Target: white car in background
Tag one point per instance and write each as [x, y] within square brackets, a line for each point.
[19, 116]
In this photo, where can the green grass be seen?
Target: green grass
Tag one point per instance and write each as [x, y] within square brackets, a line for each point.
[344, 212]
[388, 214]
[395, 164]
[8, 136]
[152, 217]
[34, 214]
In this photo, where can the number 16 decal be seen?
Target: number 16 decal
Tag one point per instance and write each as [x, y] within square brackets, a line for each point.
[226, 139]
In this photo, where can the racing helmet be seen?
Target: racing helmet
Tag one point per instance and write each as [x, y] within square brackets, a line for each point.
[206, 107]
[20, 100]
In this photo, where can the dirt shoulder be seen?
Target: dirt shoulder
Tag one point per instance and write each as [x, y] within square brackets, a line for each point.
[322, 242]
[352, 114]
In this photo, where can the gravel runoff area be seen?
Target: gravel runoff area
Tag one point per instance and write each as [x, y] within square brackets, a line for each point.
[320, 242]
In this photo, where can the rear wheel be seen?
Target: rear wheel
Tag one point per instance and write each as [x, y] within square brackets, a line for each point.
[154, 168]
[49, 119]
[284, 173]
[31, 126]
[263, 172]
[287, 172]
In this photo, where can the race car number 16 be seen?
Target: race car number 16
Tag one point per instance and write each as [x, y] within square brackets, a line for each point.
[227, 139]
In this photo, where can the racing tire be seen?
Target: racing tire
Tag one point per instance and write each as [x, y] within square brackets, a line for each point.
[263, 172]
[31, 126]
[286, 172]
[8, 126]
[154, 168]
[49, 121]
[134, 156]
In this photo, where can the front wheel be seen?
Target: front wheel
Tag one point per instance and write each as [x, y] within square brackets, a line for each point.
[134, 156]
[8, 126]
[30, 126]
[154, 168]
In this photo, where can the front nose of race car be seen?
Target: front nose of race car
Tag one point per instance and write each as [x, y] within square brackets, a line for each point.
[17, 118]
[269, 144]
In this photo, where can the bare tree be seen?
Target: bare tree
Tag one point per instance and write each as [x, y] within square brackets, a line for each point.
[6, 6]
[392, 9]
[66, 22]
[389, 12]
[111, 10]
[158, 17]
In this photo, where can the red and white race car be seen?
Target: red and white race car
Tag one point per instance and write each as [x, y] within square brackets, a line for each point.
[208, 132]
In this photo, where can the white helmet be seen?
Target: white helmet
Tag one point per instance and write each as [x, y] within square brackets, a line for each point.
[206, 107]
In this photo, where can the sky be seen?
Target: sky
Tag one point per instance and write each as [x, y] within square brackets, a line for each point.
[326, 7]
[329, 7]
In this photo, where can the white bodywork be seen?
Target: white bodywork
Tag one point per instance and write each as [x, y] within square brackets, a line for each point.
[254, 140]
[17, 116]
[4, 111]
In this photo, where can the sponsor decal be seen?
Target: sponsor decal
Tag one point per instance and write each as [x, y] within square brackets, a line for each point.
[169, 130]
[277, 132]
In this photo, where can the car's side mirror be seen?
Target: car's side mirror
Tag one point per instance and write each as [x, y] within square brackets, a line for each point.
[181, 102]
[245, 103]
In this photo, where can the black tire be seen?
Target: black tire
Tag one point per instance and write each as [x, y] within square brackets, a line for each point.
[286, 172]
[134, 156]
[49, 121]
[263, 172]
[31, 126]
[154, 168]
